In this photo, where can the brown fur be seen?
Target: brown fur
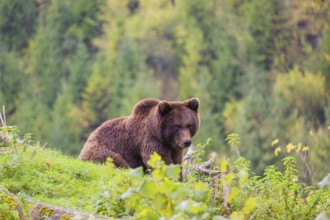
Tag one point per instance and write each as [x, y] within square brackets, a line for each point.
[154, 126]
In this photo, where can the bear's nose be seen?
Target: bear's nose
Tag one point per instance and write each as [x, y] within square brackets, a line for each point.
[187, 143]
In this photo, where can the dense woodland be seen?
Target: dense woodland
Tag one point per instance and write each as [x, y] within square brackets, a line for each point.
[261, 69]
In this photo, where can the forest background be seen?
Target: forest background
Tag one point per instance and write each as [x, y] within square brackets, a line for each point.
[261, 69]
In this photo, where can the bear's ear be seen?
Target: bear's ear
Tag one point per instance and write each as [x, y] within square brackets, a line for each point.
[193, 104]
[164, 107]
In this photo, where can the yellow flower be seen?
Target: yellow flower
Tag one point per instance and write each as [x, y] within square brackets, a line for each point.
[290, 147]
[276, 141]
[277, 150]
[298, 149]
[306, 148]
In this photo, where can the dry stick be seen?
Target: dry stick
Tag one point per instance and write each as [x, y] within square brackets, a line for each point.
[210, 161]
[3, 117]
[5, 138]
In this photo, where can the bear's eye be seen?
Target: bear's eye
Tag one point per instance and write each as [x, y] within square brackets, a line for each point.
[189, 126]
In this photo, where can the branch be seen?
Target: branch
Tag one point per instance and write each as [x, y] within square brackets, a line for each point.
[5, 138]
[3, 117]
[201, 168]
[210, 161]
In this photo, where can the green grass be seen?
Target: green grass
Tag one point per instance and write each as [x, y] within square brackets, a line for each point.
[48, 176]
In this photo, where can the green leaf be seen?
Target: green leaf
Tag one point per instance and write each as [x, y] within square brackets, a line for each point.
[160, 201]
[127, 194]
[224, 166]
[201, 192]
[192, 207]
[135, 173]
[243, 176]
[237, 216]
[133, 202]
[168, 211]
[148, 213]
[250, 204]
[229, 178]
[155, 160]
[171, 189]
[173, 172]
[235, 193]
[148, 188]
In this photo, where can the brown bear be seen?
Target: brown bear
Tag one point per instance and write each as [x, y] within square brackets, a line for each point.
[165, 127]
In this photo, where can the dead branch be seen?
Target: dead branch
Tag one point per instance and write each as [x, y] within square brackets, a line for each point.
[3, 117]
[211, 161]
[204, 169]
[200, 168]
[5, 138]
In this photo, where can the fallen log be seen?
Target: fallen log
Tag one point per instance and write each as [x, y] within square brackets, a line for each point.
[39, 211]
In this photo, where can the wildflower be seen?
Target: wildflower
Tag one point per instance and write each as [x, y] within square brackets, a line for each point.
[276, 141]
[277, 150]
[306, 148]
[298, 149]
[290, 147]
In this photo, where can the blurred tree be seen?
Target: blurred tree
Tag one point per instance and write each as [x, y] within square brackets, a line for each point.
[11, 80]
[124, 75]
[268, 23]
[67, 124]
[307, 18]
[323, 57]
[60, 54]
[250, 119]
[130, 79]
[291, 95]
[80, 67]
[65, 29]
[287, 111]
[301, 106]
[32, 116]
[96, 100]
[44, 63]
[17, 23]
[319, 153]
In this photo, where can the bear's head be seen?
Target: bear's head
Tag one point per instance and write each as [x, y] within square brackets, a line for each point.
[179, 122]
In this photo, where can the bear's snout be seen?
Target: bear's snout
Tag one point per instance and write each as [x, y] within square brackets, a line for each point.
[187, 142]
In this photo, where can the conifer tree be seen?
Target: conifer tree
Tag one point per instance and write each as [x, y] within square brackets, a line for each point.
[67, 125]
[17, 23]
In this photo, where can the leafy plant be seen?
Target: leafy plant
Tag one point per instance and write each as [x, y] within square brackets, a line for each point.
[159, 195]
[276, 195]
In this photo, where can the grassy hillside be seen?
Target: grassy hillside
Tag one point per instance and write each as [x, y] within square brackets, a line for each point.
[48, 176]
[31, 171]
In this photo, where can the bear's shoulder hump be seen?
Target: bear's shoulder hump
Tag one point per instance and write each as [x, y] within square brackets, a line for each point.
[144, 106]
